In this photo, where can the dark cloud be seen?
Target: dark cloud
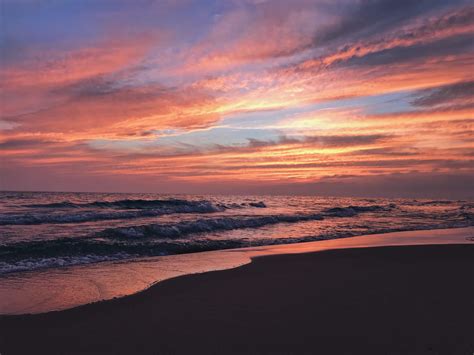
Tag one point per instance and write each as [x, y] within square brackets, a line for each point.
[458, 92]
[92, 104]
[371, 17]
[41, 148]
[457, 19]
[104, 85]
[94, 86]
[363, 164]
[386, 151]
[325, 141]
[187, 150]
[20, 143]
[456, 45]
[257, 143]
[348, 140]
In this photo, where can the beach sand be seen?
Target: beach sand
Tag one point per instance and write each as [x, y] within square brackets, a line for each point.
[383, 300]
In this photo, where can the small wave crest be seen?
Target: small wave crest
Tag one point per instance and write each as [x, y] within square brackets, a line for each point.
[70, 212]
[97, 215]
[142, 204]
[60, 261]
[351, 211]
[435, 203]
[128, 242]
[123, 204]
[178, 230]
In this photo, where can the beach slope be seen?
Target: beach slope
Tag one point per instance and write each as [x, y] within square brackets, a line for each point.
[383, 300]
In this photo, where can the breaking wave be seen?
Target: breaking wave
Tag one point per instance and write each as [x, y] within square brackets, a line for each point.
[184, 228]
[112, 210]
[124, 204]
[354, 210]
[124, 243]
[155, 208]
[287, 220]
[142, 204]
[31, 256]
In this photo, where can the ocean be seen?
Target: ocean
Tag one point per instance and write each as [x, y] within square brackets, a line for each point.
[45, 230]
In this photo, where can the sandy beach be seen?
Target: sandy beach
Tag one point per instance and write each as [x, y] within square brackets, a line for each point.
[383, 300]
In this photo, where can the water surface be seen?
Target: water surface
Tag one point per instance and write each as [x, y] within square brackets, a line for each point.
[55, 230]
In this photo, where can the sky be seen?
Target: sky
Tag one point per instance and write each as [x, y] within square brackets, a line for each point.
[323, 97]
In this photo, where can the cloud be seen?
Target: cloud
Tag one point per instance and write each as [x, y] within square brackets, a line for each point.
[20, 143]
[455, 23]
[249, 34]
[96, 107]
[341, 90]
[322, 141]
[46, 66]
[368, 17]
[457, 93]
[415, 53]
[42, 78]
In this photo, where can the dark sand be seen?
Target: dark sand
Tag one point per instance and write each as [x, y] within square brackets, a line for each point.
[390, 300]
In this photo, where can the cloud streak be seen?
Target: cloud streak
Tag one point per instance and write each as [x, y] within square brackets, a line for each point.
[273, 92]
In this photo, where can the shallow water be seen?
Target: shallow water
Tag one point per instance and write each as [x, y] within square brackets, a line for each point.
[62, 288]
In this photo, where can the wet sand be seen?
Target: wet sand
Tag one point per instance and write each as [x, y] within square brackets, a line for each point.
[384, 300]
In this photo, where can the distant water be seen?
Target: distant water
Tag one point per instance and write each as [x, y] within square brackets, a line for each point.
[41, 230]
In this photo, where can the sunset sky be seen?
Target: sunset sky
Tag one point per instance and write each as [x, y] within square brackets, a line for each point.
[332, 97]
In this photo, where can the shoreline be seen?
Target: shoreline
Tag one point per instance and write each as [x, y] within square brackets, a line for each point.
[375, 300]
[62, 289]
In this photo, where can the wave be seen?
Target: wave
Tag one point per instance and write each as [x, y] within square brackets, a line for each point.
[351, 211]
[88, 216]
[28, 256]
[140, 204]
[203, 231]
[122, 204]
[121, 209]
[31, 264]
[64, 204]
[260, 204]
[129, 242]
[180, 229]
[88, 252]
[435, 203]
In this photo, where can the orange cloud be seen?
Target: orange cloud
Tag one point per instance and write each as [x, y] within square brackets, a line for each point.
[124, 92]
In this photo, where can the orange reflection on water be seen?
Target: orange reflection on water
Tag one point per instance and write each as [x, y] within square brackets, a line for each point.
[43, 291]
